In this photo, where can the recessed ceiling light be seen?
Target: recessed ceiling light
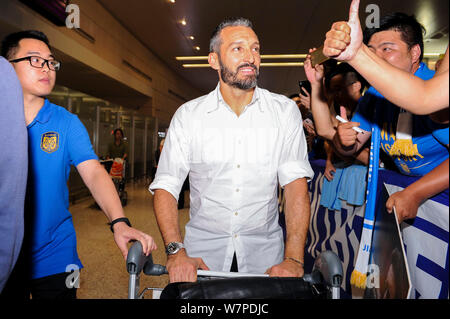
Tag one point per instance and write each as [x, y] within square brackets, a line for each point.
[191, 37]
[197, 48]
[183, 22]
[172, 1]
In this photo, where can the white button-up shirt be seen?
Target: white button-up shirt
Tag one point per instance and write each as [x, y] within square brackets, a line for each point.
[234, 165]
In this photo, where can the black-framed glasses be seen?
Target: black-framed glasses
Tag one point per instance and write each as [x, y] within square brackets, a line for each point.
[38, 62]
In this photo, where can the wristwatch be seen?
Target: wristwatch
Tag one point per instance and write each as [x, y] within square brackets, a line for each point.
[173, 247]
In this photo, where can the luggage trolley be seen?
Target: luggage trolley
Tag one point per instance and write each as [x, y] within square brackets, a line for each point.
[116, 170]
[323, 282]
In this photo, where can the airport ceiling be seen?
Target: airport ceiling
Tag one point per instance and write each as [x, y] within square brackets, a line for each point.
[283, 27]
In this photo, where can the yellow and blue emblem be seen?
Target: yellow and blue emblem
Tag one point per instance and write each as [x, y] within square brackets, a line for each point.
[50, 142]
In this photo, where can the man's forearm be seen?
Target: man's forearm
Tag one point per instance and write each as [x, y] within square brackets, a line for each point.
[409, 92]
[166, 212]
[297, 218]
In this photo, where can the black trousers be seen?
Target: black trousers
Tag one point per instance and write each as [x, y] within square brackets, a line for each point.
[46, 288]
[52, 287]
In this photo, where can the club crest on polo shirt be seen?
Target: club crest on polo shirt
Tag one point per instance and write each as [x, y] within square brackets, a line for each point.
[50, 142]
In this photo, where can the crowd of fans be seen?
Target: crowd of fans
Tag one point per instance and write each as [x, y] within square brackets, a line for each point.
[414, 135]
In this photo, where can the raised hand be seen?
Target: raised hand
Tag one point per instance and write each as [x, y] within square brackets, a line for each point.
[313, 74]
[345, 38]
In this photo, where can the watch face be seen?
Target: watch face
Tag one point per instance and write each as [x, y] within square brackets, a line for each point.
[173, 248]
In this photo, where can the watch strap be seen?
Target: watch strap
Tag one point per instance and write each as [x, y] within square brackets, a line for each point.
[118, 220]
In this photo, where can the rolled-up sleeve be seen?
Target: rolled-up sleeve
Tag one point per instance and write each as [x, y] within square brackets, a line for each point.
[173, 165]
[294, 162]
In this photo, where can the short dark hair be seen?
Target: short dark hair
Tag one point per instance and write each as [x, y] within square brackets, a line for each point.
[349, 74]
[10, 43]
[215, 41]
[411, 30]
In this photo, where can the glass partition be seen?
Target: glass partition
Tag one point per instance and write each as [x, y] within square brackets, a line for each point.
[107, 125]
[125, 124]
[139, 156]
[151, 148]
[100, 118]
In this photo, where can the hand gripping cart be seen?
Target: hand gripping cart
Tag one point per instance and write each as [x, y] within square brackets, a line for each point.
[323, 282]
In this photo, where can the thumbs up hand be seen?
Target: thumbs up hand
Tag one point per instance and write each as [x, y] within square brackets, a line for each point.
[345, 38]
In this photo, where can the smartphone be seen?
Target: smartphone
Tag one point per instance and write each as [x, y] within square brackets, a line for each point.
[304, 84]
[308, 122]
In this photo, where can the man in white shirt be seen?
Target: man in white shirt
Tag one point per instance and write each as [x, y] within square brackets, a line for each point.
[236, 144]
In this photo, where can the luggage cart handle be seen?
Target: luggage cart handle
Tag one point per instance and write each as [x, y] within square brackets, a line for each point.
[138, 262]
[224, 274]
[136, 259]
[157, 270]
[330, 267]
[327, 268]
[152, 269]
[327, 264]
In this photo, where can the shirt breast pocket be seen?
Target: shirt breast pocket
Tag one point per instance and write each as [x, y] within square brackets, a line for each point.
[201, 171]
[212, 146]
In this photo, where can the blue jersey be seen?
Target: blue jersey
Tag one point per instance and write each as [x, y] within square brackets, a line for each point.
[430, 138]
[57, 139]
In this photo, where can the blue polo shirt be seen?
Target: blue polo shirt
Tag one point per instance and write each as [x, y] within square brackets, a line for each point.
[430, 137]
[57, 139]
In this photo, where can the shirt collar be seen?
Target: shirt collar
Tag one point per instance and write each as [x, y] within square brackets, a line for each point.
[44, 114]
[217, 100]
[424, 72]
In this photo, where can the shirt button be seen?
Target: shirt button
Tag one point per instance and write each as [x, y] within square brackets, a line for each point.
[238, 166]
[237, 190]
[235, 235]
[236, 213]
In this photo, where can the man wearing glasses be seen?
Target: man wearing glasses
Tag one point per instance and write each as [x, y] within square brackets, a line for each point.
[57, 139]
